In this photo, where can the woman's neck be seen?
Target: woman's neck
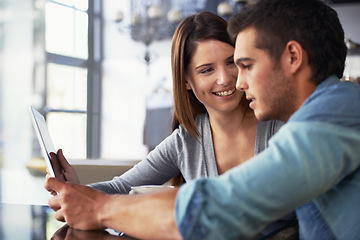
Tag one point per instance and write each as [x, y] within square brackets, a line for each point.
[234, 137]
[231, 122]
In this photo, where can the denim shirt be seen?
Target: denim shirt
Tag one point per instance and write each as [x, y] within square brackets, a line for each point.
[311, 165]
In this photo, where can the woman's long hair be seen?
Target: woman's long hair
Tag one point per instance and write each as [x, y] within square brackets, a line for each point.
[189, 33]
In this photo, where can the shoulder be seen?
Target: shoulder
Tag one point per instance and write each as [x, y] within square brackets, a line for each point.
[202, 125]
[202, 120]
[332, 102]
[333, 91]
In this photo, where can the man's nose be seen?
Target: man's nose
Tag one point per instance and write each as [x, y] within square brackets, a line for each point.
[241, 83]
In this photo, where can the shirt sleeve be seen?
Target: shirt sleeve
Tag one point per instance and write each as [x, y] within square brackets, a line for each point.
[241, 202]
[156, 169]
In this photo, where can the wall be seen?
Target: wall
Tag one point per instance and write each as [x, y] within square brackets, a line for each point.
[349, 15]
[350, 20]
[127, 82]
[16, 61]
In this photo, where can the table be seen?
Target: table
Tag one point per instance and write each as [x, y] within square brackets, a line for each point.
[37, 222]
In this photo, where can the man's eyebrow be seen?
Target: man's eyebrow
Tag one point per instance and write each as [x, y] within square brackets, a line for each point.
[239, 60]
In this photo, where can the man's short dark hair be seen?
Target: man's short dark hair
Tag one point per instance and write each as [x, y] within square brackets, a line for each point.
[311, 23]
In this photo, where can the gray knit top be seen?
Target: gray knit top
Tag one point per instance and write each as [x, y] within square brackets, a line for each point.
[181, 153]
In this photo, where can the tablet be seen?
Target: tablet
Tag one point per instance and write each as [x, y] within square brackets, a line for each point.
[44, 139]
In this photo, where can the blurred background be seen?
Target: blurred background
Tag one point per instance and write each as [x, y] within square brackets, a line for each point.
[99, 71]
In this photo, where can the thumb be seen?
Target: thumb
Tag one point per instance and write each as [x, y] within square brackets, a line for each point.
[64, 163]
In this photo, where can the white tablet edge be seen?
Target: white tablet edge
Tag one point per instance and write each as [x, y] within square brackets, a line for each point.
[44, 139]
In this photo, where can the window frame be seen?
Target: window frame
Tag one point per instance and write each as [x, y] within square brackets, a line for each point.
[93, 65]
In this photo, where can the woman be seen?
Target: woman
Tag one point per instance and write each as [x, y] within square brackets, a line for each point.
[213, 127]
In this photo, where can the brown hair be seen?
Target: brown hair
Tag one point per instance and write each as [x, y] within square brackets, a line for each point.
[312, 23]
[192, 30]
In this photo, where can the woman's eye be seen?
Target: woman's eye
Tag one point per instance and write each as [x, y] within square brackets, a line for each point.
[231, 62]
[206, 70]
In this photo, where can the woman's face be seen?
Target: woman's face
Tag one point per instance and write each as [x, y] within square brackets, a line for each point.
[212, 76]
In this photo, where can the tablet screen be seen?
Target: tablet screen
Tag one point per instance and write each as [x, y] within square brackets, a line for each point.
[44, 139]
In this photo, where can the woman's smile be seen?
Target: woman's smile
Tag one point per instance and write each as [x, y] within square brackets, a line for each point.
[225, 93]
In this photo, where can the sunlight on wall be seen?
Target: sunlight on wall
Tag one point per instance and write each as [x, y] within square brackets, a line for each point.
[126, 85]
[16, 76]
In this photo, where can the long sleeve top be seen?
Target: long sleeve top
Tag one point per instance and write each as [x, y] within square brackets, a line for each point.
[181, 153]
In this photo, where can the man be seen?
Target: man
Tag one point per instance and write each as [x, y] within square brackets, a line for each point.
[290, 55]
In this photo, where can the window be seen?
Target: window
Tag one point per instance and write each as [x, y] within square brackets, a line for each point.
[71, 89]
[66, 29]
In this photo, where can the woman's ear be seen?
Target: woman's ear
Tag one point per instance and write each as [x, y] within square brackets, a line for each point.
[188, 86]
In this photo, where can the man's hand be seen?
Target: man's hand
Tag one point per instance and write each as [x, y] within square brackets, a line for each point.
[77, 205]
[144, 216]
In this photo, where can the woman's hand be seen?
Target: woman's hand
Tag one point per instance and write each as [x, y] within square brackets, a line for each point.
[62, 169]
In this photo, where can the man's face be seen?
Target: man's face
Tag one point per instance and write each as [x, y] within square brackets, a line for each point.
[264, 82]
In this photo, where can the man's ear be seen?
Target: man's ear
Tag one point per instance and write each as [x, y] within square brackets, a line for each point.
[294, 55]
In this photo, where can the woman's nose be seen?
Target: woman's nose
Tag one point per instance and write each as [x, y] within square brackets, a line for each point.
[224, 78]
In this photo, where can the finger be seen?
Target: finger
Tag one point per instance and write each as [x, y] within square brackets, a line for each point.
[54, 203]
[46, 184]
[53, 185]
[56, 165]
[51, 191]
[69, 173]
[62, 160]
[59, 216]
